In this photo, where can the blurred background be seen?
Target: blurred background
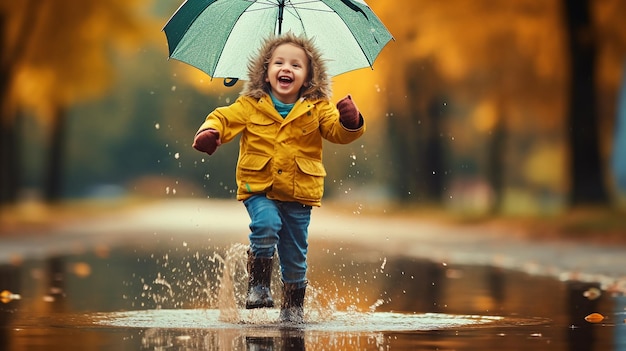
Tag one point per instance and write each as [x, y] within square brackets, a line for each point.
[480, 107]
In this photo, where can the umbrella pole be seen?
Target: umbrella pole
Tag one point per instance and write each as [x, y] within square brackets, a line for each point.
[281, 7]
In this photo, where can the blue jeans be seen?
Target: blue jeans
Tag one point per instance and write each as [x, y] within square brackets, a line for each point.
[283, 226]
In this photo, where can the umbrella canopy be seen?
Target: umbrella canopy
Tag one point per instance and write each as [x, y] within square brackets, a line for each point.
[220, 36]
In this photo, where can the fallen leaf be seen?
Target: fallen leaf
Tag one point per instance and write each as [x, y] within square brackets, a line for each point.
[594, 318]
[5, 296]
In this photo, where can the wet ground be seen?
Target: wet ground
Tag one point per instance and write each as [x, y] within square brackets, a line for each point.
[153, 279]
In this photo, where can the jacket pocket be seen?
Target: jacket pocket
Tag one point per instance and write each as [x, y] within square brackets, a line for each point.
[308, 127]
[309, 179]
[253, 173]
[262, 125]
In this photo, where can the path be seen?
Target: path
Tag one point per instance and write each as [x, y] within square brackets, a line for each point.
[224, 220]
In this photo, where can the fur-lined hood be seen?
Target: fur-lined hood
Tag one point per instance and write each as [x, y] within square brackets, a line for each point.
[319, 86]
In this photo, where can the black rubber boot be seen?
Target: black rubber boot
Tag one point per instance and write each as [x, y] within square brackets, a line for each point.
[260, 277]
[291, 310]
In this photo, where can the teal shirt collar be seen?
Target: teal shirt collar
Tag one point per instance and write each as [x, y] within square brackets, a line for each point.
[282, 108]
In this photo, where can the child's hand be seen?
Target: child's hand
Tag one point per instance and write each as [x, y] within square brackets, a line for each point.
[207, 141]
[349, 115]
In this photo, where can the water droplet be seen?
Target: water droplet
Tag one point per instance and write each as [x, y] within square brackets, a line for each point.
[376, 304]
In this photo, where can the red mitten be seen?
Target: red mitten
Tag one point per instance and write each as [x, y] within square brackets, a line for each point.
[207, 141]
[348, 113]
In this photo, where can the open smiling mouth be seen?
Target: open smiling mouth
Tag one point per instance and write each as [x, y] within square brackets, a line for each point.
[285, 80]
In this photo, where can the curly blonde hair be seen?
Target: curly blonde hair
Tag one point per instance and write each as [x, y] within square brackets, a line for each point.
[318, 82]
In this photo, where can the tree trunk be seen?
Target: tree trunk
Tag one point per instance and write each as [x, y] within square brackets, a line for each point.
[417, 139]
[402, 160]
[586, 168]
[53, 190]
[8, 138]
[9, 166]
[434, 152]
[495, 165]
[10, 56]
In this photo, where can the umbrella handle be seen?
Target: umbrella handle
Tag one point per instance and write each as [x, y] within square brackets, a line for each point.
[229, 82]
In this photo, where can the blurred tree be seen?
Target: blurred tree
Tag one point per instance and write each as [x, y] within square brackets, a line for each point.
[587, 171]
[485, 54]
[62, 57]
[546, 69]
[418, 136]
[16, 32]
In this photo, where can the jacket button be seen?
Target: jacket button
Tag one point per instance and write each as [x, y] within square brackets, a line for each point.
[280, 171]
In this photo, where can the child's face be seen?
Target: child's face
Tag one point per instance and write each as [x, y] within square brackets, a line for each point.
[287, 72]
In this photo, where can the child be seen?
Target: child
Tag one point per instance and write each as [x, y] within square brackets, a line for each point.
[283, 114]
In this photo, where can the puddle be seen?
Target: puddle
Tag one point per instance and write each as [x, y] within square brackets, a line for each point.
[169, 296]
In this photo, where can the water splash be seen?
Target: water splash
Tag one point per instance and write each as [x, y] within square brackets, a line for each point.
[234, 259]
[219, 281]
[344, 322]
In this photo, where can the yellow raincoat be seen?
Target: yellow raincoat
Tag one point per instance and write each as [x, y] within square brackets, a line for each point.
[281, 157]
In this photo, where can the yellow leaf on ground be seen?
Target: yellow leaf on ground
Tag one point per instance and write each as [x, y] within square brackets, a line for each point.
[594, 318]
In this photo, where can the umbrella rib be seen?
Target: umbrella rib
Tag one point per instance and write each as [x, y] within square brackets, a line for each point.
[268, 2]
[301, 7]
[289, 4]
[365, 53]
[232, 80]
[292, 9]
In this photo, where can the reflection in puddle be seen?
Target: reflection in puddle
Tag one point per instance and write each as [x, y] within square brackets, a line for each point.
[202, 330]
